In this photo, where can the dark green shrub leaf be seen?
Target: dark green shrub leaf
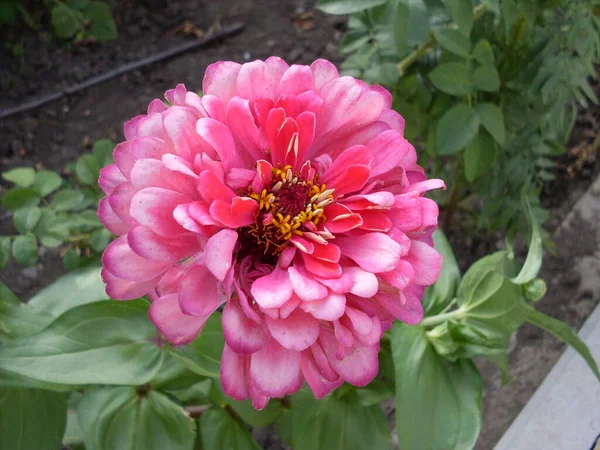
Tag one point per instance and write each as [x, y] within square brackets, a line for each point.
[66, 21]
[103, 27]
[119, 418]
[448, 395]
[438, 296]
[462, 13]
[203, 356]
[452, 78]
[5, 246]
[67, 200]
[26, 219]
[483, 53]
[102, 151]
[19, 198]
[255, 418]
[25, 250]
[46, 182]
[457, 127]
[87, 169]
[71, 259]
[336, 424]
[219, 431]
[347, 6]
[21, 176]
[100, 239]
[562, 331]
[454, 41]
[32, 419]
[491, 119]
[479, 155]
[374, 393]
[486, 78]
[100, 343]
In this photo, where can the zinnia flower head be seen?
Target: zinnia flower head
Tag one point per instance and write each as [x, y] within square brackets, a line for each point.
[287, 193]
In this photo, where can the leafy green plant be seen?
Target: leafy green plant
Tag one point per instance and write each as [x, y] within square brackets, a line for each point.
[55, 212]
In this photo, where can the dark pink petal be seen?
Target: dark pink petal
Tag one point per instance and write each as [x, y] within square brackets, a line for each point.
[130, 127]
[153, 208]
[243, 128]
[233, 374]
[341, 285]
[330, 308]
[406, 213]
[259, 401]
[424, 186]
[157, 248]
[219, 138]
[359, 155]
[273, 290]
[238, 178]
[182, 216]
[274, 370]
[324, 72]
[361, 322]
[123, 159]
[110, 177]
[305, 286]
[375, 221]
[220, 79]
[329, 252]
[296, 332]
[242, 334]
[255, 81]
[317, 383]
[401, 276]
[218, 253]
[120, 201]
[365, 283]
[340, 219]
[306, 133]
[426, 262]
[177, 327]
[200, 293]
[389, 150]
[110, 220]
[242, 211]
[119, 289]
[212, 188]
[120, 260]
[405, 308]
[374, 252]
[296, 80]
[321, 268]
[376, 200]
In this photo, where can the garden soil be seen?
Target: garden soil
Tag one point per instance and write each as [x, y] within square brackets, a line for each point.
[32, 64]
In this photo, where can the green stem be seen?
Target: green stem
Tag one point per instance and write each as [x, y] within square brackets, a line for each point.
[432, 321]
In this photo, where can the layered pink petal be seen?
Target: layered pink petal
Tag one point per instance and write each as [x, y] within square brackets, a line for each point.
[177, 327]
[274, 370]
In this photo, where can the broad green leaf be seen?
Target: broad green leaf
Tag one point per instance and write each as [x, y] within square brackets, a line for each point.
[71, 259]
[73, 436]
[25, 249]
[374, 393]
[347, 6]
[102, 151]
[255, 418]
[438, 403]
[67, 200]
[492, 120]
[486, 78]
[219, 431]
[454, 41]
[535, 255]
[438, 296]
[19, 198]
[87, 169]
[462, 13]
[118, 418]
[26, 219]
[66, 21]
[479, 155]
[5, 247]
[46, 182]
[100, 343]
[19, 319]
[12, 379]
[452, 78]
[32, 419]
[483, 53]
[102, 27]
[457, 127]
[203, 356]
[74, 289]
[336, 424]
[562, 331]
[476, 281]
[21, 176]
[100, 239]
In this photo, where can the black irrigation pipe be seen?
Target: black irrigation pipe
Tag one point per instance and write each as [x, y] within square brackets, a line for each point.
[125, 68]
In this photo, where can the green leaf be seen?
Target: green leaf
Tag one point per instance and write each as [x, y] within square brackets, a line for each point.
[73, 437]
[438, 296]
[118, 418]
[483, 53]
[374, 393]
[46, 182]
[67, 200]
[203, 356]
[19, 319]
[102, 27]
[479, 156]
[100, 239]
[25, 250]
[347, 6]
[21, 176]
[438, 404]
[66, 21]
[462, 13]
[20, 198]
[69, 291]
[535, 255]
[255, 418]
[5, 246]
[335, 424]
[219, 431]
[562, 331]
[32, 419]
[452, 78]
[87, 169]
[102, 151]
[457, 127]
[454, 41]
[26, 219]
[71, 259]
[100, 343]
[486, 78]
[492, 120]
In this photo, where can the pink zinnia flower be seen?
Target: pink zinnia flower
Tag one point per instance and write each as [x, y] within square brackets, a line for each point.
[287, 194]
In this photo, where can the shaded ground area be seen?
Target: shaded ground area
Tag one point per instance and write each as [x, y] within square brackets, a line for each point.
[56, 134]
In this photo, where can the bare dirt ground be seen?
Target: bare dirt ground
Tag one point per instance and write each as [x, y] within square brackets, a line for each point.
[56, 134]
